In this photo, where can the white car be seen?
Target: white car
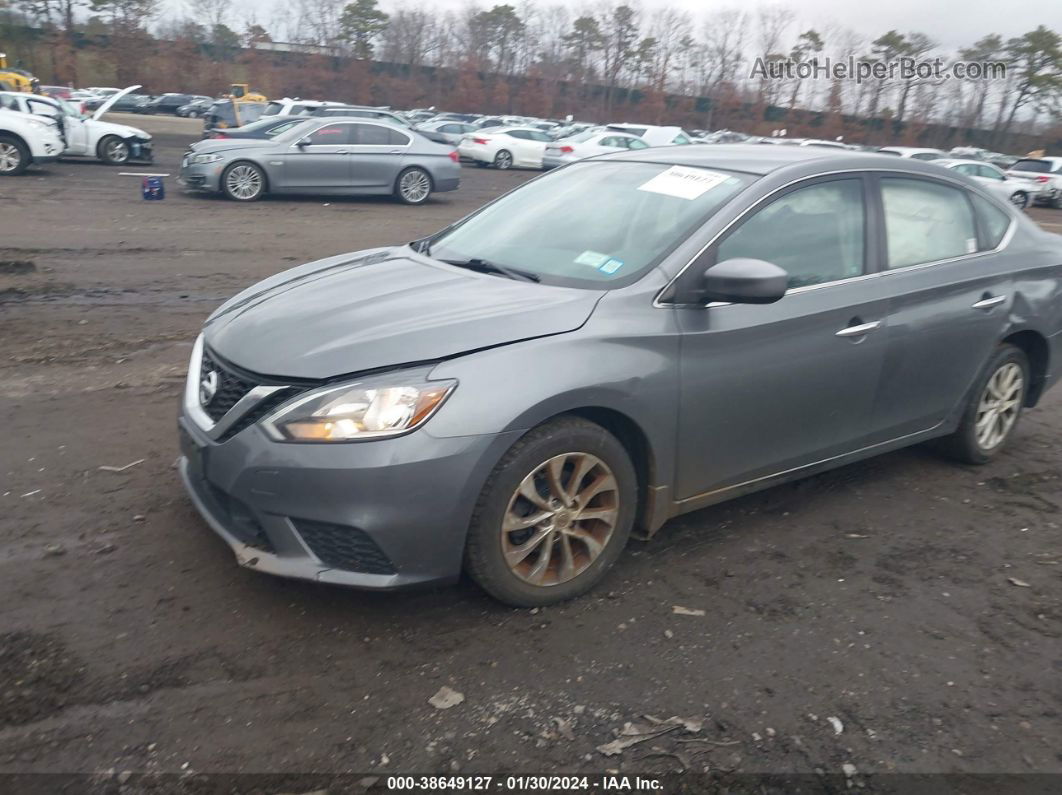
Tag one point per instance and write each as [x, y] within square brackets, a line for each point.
[991, 178]
[25, 140]
[297, 107]
[653, 135]
[912, 152]
[505, 147]
[1042, 176]
[83, 135]
[588, 144]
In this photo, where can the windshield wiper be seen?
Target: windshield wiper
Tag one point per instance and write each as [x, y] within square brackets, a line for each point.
[485, 266]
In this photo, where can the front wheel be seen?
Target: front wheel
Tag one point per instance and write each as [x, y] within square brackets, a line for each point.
[993, 408]
[413, 186]
[113, 151]
[553, 516]
[243, 182]
[14, 156]
[503, 160]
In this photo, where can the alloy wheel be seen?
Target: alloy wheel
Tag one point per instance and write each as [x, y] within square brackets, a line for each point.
[1019, 200]
[10, 157]
[117, 151]
[243, 182]
[503, 160]
[999, 406]
[560, 519]
[414, 186]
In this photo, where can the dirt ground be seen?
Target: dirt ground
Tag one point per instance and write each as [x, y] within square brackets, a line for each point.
[898, 615]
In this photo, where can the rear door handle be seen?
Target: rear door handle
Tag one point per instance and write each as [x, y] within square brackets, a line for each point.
[860, 330]
[342, 152]
[988, 303]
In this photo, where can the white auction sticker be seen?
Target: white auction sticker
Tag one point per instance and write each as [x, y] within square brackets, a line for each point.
[684, 183]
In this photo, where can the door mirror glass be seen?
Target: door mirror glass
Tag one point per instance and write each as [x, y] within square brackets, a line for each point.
[745, 281]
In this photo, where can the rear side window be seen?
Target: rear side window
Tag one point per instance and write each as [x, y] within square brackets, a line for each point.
[926, 221]
[994, 222]
[816, 234]
[636, 143]
[375, 135]
[1035, 166]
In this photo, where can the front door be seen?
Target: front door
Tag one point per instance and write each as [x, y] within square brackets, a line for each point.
[322, 164]
[770, 388]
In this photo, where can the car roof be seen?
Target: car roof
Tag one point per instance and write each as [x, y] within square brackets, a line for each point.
[762, 160]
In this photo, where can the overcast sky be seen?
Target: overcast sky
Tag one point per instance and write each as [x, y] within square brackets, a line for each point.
[952, 24]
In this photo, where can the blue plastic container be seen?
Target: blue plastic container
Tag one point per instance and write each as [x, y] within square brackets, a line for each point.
[153, 189]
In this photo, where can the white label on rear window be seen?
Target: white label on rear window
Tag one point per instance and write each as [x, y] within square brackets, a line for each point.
[684, 183]
[971, 245]
[592, 258]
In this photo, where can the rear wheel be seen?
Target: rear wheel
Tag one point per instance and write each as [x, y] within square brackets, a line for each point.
[993, 408]
[503, 160]
[243, 182]
[1020, 199]
[553, 516]
[14, 156]
[413, 186]
[113, 151]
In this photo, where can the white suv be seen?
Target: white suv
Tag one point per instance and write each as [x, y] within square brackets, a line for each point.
[25, 140]
[1043, 178]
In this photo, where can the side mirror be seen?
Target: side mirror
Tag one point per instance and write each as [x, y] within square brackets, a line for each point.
[745, 281]
[302, 142]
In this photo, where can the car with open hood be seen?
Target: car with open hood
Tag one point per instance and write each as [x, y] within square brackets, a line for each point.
[620, 341]
[86, 135]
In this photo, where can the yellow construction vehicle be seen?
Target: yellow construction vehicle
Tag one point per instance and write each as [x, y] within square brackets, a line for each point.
[241, 92]
[12, 79]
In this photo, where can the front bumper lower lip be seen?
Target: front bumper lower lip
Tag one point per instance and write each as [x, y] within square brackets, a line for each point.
[301, 568]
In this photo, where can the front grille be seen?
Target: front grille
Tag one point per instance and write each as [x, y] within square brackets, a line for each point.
[229, 390]
[343, 547]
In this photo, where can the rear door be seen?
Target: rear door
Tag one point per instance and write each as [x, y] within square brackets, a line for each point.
[948, 295]
[376, 156]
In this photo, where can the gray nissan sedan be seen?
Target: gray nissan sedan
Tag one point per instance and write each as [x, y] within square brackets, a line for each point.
[615, 343]
[334, 157]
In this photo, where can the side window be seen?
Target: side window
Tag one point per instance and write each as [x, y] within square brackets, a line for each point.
[925, 221]
[536, 135]
[967, 169]
[680, 140]
[450, 128]
[372, 135]
[636, 143]
[331, 135]
[994, 222]
[396, 138]
[989, 172]
[517, 134]
[816, 234]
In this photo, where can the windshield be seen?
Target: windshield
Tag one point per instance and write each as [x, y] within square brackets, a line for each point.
[1036, 166]
[598, 224]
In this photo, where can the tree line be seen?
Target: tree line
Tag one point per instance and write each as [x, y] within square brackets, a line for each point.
[544, 59]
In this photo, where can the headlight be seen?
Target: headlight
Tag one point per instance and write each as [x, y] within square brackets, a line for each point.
[206, 158]
[358, 411]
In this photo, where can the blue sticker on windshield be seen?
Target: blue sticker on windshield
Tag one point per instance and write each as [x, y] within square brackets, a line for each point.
[611, 266]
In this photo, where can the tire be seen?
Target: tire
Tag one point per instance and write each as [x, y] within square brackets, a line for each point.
[413, 186]
[563, 556]
[14, 156]
[1019, 199]
[243, 182]
[113, 151]
[503, 160]
[974, 444]
[1056, 202]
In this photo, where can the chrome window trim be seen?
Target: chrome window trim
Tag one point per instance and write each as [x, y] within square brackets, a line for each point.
[1003, 243]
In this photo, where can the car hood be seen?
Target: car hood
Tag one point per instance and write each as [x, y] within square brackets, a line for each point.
[383, 308]
[107, 103]
[124, 130]
[210, 145]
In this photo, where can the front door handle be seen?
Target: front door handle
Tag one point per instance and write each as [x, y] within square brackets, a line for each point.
[990, 301]
[859, 330]
[342, 152]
